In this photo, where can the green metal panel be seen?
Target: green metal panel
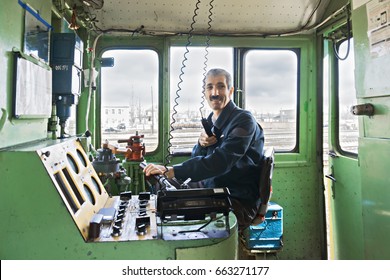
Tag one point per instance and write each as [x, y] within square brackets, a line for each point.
[377, 126]
[188, 253]
[373, 86]
[375, 161]
[36, 223]
[303, 224]
[344, 195]
[346, 209]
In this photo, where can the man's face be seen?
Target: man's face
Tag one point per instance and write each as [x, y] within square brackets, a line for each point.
[217, 92]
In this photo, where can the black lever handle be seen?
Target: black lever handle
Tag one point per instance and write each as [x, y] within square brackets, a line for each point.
[161, 179]
[331, 177]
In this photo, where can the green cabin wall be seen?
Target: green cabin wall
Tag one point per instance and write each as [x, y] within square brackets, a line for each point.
[14, 131]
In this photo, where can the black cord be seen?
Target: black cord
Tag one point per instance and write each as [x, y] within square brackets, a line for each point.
[206, 57]
[336, 53]
[203, 226]
[189, 42]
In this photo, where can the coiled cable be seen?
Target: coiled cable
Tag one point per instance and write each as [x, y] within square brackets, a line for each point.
[177, 94]
[206, 57]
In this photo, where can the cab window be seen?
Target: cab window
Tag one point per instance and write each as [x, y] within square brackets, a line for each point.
[129, 97]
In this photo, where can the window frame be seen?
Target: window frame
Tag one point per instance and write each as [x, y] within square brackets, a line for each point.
[99, 107]
[336, 68]
[297, 51]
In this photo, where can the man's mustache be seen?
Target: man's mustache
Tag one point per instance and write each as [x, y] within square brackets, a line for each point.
[215, 97]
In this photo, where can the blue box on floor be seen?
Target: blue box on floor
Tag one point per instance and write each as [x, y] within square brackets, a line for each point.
[267, 235]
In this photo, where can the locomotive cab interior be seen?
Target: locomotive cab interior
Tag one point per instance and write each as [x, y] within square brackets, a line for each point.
[93, 90]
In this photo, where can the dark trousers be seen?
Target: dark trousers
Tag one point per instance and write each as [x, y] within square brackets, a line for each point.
[244, 213]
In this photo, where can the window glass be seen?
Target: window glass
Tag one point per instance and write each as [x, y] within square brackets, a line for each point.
[348, 123]
[271, 78]
[187, 124]
[130, 97]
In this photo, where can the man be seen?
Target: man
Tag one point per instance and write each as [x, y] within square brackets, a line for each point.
[231, 156]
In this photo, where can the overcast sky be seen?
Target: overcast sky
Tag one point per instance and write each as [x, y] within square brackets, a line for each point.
[270, 79]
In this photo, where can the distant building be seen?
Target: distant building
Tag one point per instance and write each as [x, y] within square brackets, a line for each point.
[113, 116]
[285, 116]
[126, 117]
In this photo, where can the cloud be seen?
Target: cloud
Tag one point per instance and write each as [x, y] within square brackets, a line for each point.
[271, 77]
[132, 79]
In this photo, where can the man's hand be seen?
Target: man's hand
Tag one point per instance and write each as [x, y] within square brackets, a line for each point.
[155, 169]
[205, 140]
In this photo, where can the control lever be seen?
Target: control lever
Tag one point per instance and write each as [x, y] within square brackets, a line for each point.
[161, 179]
[185, 184]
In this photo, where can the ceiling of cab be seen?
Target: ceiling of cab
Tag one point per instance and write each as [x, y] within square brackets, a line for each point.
[228, 17]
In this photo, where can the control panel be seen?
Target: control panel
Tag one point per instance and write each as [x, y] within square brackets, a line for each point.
[170, 215]
[125, 218]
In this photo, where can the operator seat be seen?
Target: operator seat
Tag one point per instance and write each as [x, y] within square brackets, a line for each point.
[265, 184]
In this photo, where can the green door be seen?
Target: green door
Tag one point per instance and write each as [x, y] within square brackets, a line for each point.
[342, 174]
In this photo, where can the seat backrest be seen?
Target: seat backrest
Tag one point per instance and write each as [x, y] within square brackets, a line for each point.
[265, 183]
